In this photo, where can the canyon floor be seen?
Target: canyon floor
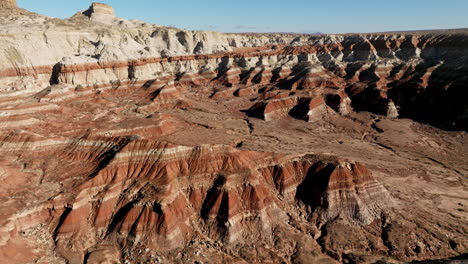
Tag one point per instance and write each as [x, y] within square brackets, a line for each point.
[147, 144]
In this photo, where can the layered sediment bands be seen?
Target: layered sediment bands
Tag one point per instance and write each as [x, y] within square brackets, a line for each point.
[345, 190]
[422, 74]
[132, 194]
[403, 77]
[100, 13]
[110, 188]
[137, 192]
[126, 142]
[331, 188]
[153, 189]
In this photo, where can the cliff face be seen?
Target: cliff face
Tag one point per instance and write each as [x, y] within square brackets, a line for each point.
[419, 76]
[125, 142]
[386, 74]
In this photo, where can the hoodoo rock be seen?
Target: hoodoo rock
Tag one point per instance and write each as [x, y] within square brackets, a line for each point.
[100, 13]
[126, 142]
[392, 111]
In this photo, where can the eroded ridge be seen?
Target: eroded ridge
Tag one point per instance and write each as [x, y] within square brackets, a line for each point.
[414, 76]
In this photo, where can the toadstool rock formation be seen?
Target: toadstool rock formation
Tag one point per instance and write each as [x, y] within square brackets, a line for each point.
[100, 13]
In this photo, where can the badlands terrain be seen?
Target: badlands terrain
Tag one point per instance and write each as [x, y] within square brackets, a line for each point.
[126, 142]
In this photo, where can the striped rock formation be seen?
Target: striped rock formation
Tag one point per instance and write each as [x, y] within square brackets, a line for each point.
[374, 71]
[125, 142]
[391, 78]
[100, 13]
[131, 192]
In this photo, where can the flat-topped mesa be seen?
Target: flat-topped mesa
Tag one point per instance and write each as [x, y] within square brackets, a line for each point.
[8, 4]
[100, 13]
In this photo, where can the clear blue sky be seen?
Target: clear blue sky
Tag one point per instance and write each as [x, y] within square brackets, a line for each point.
[328, 16]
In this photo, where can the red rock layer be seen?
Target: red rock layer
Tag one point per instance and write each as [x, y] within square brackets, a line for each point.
[331, 188]
[135, 192]
[124, 190]
[410, 71]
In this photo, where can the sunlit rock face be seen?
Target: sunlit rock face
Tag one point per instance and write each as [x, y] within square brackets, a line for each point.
[100, 13]
[125, 142]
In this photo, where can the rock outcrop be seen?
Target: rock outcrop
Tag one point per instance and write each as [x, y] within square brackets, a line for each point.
[156, 193]
[344, 189]
[403, 78]
[8, 4]
[101, 13]
[125, 142]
